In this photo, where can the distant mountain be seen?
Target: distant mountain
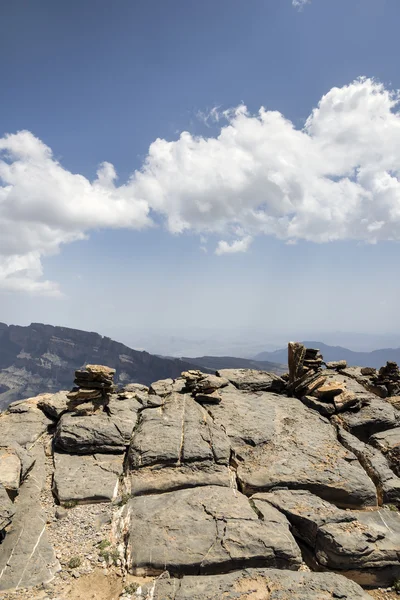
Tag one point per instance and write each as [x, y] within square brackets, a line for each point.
[230, 362]
[376, 358]
[42, 358]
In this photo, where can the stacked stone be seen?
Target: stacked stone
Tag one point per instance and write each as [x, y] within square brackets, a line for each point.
[312, 360]
[389, 376]
[94, 385]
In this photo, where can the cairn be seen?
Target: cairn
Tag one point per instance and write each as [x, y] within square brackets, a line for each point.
[93, 387]
[386, 380]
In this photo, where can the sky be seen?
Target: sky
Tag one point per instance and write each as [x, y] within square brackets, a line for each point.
[189, 177]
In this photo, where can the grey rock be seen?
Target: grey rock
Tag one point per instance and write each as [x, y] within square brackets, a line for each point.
[305, 511]
[86, 479]
[204, 530]
[388, 442]
[375, 416]
[61, 513]
[6, 509]
[163, 387]
[135, 387]
[366, 550]
[363, 376]
[124, 413]
[324, 408]
[204, 383]
[180, 435]
[24, 426]
[89, 434]
[10, 469]
[278, 442]
[376, 465]
[213, 398]
[338, 365]
[252, 380]
[167, 479]
[27, 558]
[262, 584]
[54, 405]
[296, 356]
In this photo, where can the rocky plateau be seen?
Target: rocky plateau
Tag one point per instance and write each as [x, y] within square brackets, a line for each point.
[237, 485]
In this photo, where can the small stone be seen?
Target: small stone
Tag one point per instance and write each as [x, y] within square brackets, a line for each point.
[61, 512]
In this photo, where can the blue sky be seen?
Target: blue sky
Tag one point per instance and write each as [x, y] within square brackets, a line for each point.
[262, 231]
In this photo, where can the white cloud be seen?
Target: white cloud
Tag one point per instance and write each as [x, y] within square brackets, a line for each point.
[300, 3]
[242, 245]
[336, 179]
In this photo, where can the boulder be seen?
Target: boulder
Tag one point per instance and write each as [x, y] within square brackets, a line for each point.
[87, 479]
[204, 530]
[213, 398]
[373, 417]
[259, 584]
[277, 442]
[388, 442]
[10, 469]
[88, 434]
[54, 405]
[325, 409]
[163, 387]
[27, 558]
[252, 380]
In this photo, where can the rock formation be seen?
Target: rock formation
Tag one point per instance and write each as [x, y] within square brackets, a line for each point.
[239, 484]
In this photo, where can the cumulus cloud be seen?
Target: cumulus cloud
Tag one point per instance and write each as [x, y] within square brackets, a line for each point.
[335, 179]
[242, 245]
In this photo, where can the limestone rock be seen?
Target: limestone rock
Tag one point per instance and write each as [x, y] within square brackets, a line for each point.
[260, 584]
[87, 435]
[6, 510]
[23, 426]
[213, 398]
[277, 441]
[27, 558]
[163, 387]
[376, 465]
[87, 479]
[180, 434]
[375, 416]
[252, 380]
[202, 530]
[54, 405]
[388, 442]
[10, 469]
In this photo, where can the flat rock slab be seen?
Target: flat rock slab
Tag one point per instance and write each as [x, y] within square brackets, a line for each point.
[167, 479]
[163, 387]
[278, 442]
[260, 584]
[306, 512]
[252, 380]
[204, 530]
[89, 434]
[27, 558]
[179, 435]
[24, 426]
[87, 479]
[388, 442]
[367, 550]
[363, 544]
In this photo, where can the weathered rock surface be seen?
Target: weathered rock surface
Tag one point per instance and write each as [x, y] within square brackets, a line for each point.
[6, 510]
[180, 435]
[260, 584]
[388, 443]
[91, 434]
[377, 467]
[85, 479]
[23, 426]
[365, 544]
[203, 530]
[163, 387]
[279, 442]
[10, 469]
[26, 556]
[250, 379]
[54, 405]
